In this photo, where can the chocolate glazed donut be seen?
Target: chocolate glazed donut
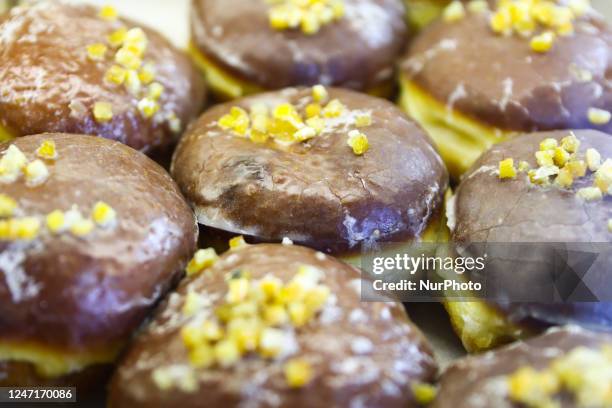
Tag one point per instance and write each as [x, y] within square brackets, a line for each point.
[74, 287]
[486, 209]
[471, 87]
[57, 61]
[227, 38]
[353, 353]
[317, 192]
[508, 377]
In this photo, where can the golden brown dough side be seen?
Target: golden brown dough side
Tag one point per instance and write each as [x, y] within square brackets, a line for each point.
[360, 353]
[49, 82]
[230, 33]
[80, 296]
[317, 192]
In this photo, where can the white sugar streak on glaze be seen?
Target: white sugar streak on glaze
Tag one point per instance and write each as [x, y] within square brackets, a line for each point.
[20, 285]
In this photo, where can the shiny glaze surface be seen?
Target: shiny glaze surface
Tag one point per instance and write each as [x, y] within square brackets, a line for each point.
[318, 193]
[89, 293]
[363, 354]
[48, 84]
[502, 82]
[358, 52]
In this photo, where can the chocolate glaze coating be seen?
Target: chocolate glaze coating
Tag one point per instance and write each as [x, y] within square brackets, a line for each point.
[44, 69]
[88, 294]
[318, 193]
[378, 377]
[487, 209]
[358, 52]
[477, 381]
[502, 82]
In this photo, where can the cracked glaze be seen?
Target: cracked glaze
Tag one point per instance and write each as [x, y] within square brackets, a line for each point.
[232, 33]
[505, 84]
[47, 83]
[346, 374]
[76, 294]
[318, 193]
[479, 381]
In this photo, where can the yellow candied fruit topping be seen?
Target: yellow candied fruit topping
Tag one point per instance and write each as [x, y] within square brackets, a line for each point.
[312, 110]
[202, 356]
[227, 353]
[237, 120]
[117, 37]
[136, 40]
[506, 169]
[577, 168]
[103, 112]
[548, 144]
[237, 242]
[132, 81]
[47, 150]
[544, 158]
[19, 229]
[11, 164]
[96, 52]
[593, 159]
[532, 387]
[103, 214]
[548, 18]
[148, 107]
[453, 12]
[570, 143]
[587, 375]
[424, 393]
[565, 178]
[116, 75]
[363, 120]
[298, 372]
[560, 156]
[82, 227]
[307, 15]
[599, 116]
[155, 90]
[237, 290]
[56, 221]
[542, 42]
[333, 109]
[146, 74]
[590, 194]
[253, 318]
[287, 124]
[128, 57]
[7, 206]
[36, 172]
[202, 259]
[358, 142]
[179, 376]
[319, 94]
[108, 13]
[603, 177]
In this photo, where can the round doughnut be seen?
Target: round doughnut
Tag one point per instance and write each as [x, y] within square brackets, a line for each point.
[79, 69]
[227, 38]
[530, 207]
[318, 192]
[470, 86]
[337, 356]
[566, 367]
[92, 234]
